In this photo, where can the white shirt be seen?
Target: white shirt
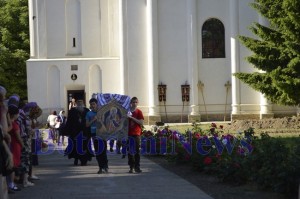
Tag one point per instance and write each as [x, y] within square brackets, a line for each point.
[52, 119]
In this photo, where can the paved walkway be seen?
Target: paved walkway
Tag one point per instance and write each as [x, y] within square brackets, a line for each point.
[61, 180]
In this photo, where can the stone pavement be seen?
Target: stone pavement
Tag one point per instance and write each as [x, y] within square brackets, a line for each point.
[60, 179]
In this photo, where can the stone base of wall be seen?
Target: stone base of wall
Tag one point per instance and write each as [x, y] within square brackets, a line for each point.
[284, 115]
[194, 118]
[175, 119]
[190, 118]
[267, 116]
[151, 120]
[245, 116]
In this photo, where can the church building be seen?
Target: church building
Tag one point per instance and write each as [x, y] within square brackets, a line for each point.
[177, 56]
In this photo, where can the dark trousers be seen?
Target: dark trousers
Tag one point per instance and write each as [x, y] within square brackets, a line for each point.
[100, 146]
[134, 143]
[118, 144]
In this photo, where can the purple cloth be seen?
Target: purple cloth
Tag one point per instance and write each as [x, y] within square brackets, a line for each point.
[29, 106]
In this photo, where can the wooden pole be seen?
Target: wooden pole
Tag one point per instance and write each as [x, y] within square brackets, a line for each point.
[227, 85]
[182, 110]
[166, 111]
[201, 86]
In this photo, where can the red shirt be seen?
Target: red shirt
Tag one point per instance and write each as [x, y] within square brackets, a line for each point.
[133, 127]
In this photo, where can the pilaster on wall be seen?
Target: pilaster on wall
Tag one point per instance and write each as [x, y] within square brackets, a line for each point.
[235, 55]
[152, 55]
[192, 61]
[265, 108]
[195, 115]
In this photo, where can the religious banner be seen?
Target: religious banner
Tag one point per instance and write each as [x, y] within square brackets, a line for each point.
[112, 121]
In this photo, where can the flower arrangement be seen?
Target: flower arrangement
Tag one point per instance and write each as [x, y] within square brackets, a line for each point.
[272, 163]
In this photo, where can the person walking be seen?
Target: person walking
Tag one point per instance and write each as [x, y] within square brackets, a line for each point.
[100, 144]
[52, 122]
[72, 104]
[24, 123]
[136, 120]
[16, 146]
[79, 144]
[61, 120]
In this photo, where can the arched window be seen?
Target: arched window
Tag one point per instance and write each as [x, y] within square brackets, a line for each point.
[213, 39]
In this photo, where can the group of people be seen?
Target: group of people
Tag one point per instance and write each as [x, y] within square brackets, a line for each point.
[17, 133]
[81, 126]
[56, 124]
[17, 143]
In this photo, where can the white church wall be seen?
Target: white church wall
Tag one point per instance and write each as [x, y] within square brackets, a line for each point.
[95, 77]
[37, 83]
[172, 45]
[100, 28]
[95, 28]
[55, 29]
[97, 56]
[53, 86]
[214, 73]
[136, 52]
[73, 28]
[109, 27]
[91, 29]
[40, 30]
[41, 87]
[250, 99]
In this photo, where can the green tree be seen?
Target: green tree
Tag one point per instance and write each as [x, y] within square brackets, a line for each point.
[275, 52]
[14, 46]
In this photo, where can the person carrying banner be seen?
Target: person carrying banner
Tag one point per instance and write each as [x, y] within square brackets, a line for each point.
[136, 120]
[100, 144]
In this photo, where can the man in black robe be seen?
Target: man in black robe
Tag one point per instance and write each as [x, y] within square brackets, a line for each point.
[79, 144]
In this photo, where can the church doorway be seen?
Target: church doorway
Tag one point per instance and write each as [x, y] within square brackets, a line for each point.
[77, 94]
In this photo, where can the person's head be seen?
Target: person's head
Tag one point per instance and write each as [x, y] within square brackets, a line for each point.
[113, 111]
[62, 112]
[54, 113]
[134, 102]
[13, 111]
[93, 104]
[27, 107]
[14, 99]
[73, 100]
[80, 105]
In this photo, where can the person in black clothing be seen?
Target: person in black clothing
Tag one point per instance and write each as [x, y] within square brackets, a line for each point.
[79, 135]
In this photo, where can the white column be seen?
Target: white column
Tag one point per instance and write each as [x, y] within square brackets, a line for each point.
[32, 19]
[265, 105]
[192, 54]
[41, 27]
[122, 29]
[152, 55]
[235, 56]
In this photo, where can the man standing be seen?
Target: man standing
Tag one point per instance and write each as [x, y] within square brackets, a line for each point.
[136, 120]
[79, 135]
[100, 144]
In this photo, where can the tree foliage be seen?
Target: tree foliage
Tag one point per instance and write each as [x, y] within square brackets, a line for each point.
[276, 52]
[14, 46]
